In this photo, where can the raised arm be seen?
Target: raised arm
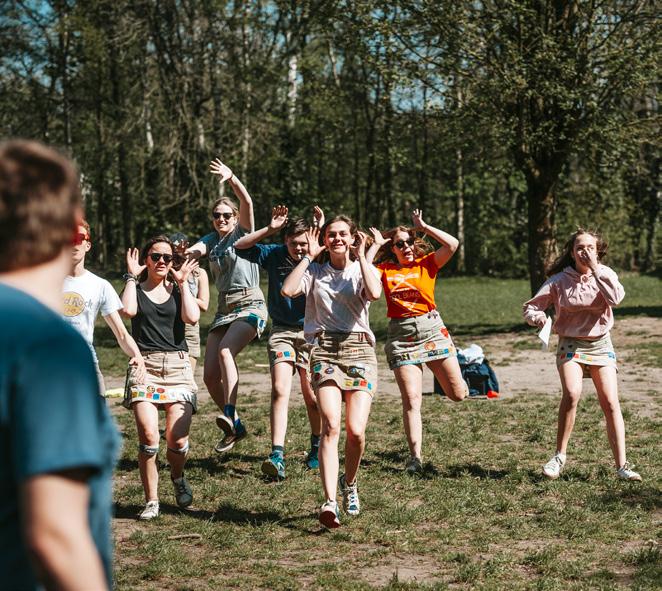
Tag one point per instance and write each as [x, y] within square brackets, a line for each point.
[448, 243]
[278, 220]
[129, 295]
[246, 219]
[371, 281]
[190, 308]
[292, 286]
[378, 241]
[198, 250]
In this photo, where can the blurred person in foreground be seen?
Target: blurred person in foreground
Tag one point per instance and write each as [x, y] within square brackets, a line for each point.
[57, 437]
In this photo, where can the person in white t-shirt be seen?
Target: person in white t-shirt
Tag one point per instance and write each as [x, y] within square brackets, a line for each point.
[343, 362]
[85, 295]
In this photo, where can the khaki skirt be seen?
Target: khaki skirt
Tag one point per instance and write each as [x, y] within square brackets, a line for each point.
[417, 340]
[596, 352]
[169, 379]
[192, 334]
[346, 359]
[287, 343]
[245, 304]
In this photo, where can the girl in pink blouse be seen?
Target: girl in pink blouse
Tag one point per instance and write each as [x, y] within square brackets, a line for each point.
[583, 292]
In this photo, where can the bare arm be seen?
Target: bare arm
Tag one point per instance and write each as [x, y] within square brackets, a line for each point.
[371, 283]
[126, 343]
[203, 290]
[190, 308]
[377, 242]
[129, 295]
[278, 220]
[198, 250]
[56, 529]
[448, 243]
[246, 219]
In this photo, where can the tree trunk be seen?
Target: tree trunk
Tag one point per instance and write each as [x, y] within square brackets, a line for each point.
[541, 202]
[459, 208]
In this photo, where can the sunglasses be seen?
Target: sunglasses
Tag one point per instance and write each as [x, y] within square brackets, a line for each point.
[401, 243]
[79, 238]
[156, 257]
[226, 215]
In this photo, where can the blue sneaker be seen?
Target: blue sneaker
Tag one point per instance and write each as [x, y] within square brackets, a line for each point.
[312, 461]
[274, 466]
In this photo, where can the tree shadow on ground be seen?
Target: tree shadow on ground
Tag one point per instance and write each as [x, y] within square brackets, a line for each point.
[395, 463]
[653, 311]
[634, 494]
[217, 464]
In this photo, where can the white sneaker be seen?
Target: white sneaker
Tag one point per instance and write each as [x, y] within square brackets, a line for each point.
[151, 511]
[329, 515]
[183, 492]
[626, 472]
[552, 469]
[350, 496]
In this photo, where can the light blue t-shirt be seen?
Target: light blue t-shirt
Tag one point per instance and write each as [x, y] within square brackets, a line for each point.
[52, 419]
[229, 270]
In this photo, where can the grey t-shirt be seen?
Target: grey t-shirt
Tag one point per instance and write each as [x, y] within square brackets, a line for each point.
[229, 270]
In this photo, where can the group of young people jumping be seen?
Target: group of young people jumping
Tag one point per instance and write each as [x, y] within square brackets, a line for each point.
[321, 281]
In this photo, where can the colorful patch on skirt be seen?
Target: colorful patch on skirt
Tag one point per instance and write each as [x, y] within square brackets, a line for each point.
[585, 357]
[159, 394]
[349, 383]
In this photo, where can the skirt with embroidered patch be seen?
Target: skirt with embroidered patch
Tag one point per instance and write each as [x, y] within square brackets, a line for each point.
[347, 359]
[246, 304]
[288, 344]
[417, 340]
[596, 352]
[169, 379]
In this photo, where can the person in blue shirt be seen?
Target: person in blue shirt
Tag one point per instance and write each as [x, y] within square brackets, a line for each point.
[57, 439]
[288, 351]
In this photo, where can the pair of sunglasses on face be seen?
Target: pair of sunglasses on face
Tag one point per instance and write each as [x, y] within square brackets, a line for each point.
[401, 243]
[79, 238]
[156, 257]
[226, 215]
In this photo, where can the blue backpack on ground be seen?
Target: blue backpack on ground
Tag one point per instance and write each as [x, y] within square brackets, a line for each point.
[480, 378]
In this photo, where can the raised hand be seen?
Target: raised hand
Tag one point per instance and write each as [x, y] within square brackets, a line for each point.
[358, 248]
[181, 274]
[318, 216]
[314, 246]
[378, 237]
[278, 217]
[417, 219]
[133, 265]
[588, 258]
[223, 171]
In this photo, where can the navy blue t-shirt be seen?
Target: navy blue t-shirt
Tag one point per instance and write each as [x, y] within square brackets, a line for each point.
[278, 264]
[51, 419]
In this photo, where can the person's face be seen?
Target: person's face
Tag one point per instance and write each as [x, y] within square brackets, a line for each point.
[159, 268]
[585, 245]
[81, 245]
[338, 238]
[223, 218]
[402, 245]
[297, 246]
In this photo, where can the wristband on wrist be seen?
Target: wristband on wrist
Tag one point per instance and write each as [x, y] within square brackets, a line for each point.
[129, 277]
[307, 258]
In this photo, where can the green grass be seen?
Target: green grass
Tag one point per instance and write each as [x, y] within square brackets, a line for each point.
[480, 517]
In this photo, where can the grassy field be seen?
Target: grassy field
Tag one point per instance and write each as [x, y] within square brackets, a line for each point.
[480, 517]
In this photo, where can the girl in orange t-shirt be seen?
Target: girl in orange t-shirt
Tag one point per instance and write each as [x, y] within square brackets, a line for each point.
[416, 332]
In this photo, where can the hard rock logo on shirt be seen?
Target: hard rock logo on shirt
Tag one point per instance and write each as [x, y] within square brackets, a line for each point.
[74, 304]
[403, 291]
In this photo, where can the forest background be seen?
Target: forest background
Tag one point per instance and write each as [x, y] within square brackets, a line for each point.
[509, 123]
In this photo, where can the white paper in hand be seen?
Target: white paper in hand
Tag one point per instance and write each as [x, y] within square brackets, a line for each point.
[545, 332]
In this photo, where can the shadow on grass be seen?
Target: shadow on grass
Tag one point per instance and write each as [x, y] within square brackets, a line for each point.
[216, 464]
[126, 465]
[474, 470]
[635, 495]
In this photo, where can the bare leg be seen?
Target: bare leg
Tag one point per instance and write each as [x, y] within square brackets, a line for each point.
[357, 411]
[178, 425]
[329, 399]
[606, 385]
[236, 337]
[449, 375]
[147, 423]
[281, 385]
[311, 402]
[212, 370]
[410, 382]
[571, 382]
